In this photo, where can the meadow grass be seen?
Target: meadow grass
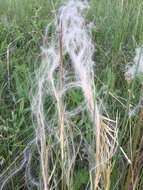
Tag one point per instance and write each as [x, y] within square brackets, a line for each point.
[118, 31]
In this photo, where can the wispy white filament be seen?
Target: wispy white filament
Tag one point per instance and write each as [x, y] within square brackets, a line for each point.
[137, 67]
[78, 44]
[133, 71]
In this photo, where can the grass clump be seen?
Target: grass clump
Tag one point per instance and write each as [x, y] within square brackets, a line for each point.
[70, 144]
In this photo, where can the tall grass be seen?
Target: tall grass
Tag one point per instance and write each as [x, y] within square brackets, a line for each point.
[77, 132]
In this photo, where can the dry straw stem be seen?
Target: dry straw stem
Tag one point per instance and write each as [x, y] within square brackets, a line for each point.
[61, 106]
[106, 144]
[134, 170]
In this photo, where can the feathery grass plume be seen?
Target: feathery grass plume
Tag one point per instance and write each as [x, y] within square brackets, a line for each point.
[133, 71]
[78, 44]
[38, 111]
[73, 38]
[55, 137]
[137, 67]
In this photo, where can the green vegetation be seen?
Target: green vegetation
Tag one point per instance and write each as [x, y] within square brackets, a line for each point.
[118, 31]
